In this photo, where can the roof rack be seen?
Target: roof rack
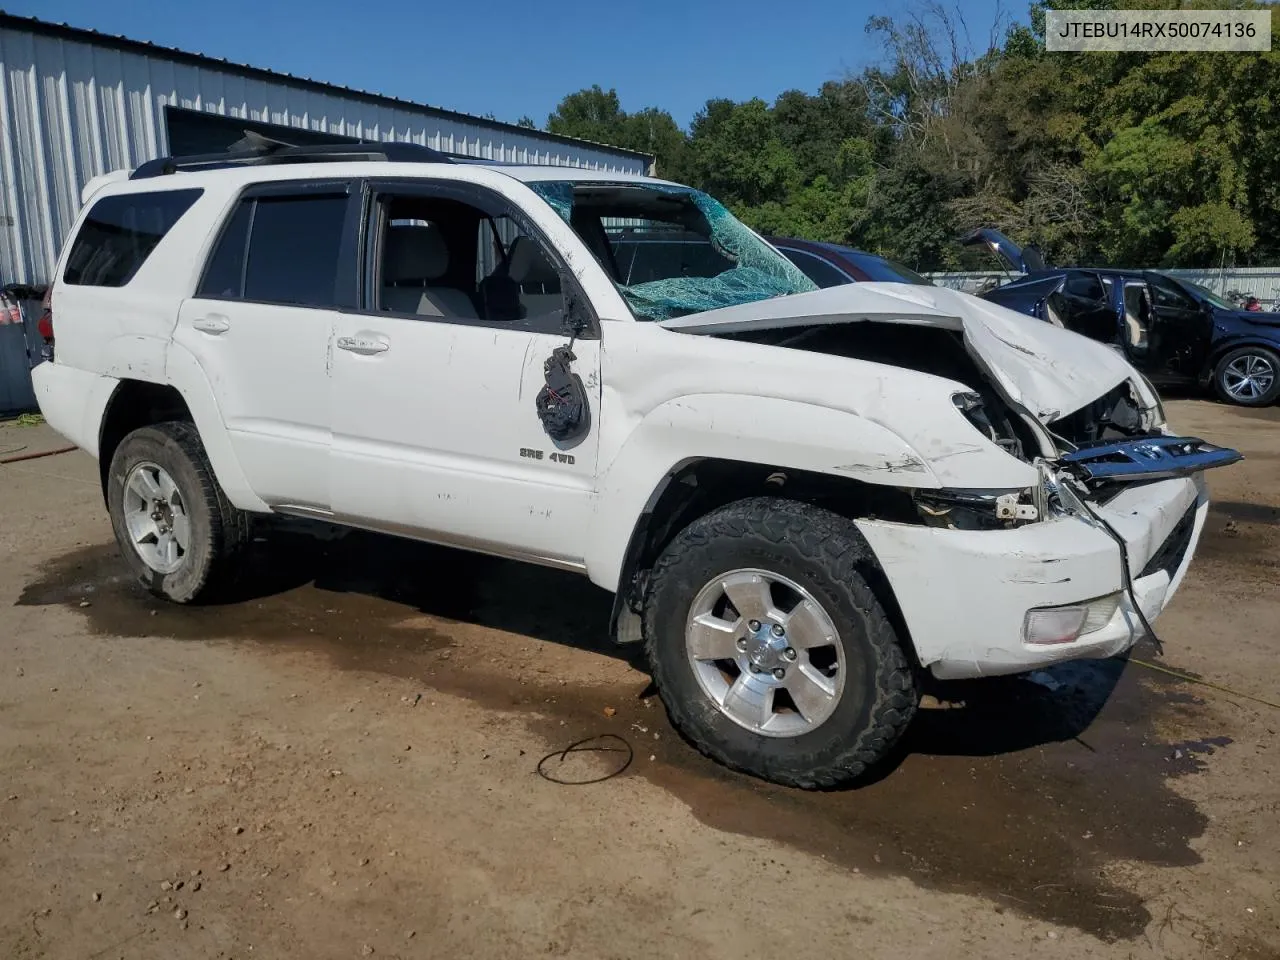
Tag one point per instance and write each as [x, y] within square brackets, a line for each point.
[257, 150]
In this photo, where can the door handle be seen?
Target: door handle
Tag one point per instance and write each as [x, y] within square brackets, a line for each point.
[213, 323]
[363, 345]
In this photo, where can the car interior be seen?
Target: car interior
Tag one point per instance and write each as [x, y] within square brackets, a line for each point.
[1137, 315]
[439, 257]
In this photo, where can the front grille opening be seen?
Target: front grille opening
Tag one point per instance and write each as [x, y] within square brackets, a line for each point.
[1174, 549]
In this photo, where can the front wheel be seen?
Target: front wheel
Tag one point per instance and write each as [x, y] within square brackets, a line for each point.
[1249, 376]
[770, 650]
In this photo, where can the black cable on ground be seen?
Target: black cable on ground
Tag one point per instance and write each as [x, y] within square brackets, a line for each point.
[584, 746]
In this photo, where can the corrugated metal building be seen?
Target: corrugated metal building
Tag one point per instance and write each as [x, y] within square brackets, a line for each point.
[76, 103]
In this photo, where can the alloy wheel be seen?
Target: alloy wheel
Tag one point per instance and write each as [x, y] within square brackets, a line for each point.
[156, 516]
[765, 652]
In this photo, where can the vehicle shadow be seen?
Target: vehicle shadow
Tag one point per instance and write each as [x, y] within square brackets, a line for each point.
[1240, 510]
[381, 602]
[977, 718]
[520, 598]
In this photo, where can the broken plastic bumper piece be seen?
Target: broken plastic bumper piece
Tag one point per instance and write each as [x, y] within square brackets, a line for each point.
[1150, 458]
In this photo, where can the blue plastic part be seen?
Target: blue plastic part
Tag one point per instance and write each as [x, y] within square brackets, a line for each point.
[1151, 458]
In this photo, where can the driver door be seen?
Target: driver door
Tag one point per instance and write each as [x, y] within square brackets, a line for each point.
[435, 430]
[1181, 327]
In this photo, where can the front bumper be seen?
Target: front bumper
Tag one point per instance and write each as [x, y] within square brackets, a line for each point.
[965, 593]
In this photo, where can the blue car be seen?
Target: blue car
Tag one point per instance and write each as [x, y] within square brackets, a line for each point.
[1174, 331]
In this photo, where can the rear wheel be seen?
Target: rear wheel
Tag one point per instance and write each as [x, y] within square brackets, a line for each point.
[1249, 376]
[771, 652]
[175, 527]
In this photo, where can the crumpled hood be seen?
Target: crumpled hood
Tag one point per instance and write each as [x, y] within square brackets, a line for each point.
[1050, 371]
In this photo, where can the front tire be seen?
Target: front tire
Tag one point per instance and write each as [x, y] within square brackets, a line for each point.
[1249, 376]
[770, 650]
[175, 527]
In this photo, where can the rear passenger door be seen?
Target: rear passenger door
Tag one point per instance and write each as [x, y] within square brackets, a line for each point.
[1086, 308]
[260, 326]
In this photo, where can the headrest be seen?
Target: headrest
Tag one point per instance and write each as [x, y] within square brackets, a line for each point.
[414, 253]
[526, 263]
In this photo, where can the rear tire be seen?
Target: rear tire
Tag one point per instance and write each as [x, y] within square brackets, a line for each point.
[1248, 376]
[849, 687]
[176, 529]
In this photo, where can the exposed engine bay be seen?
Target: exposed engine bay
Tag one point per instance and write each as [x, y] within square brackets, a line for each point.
[1100, 448]
[1117, 415]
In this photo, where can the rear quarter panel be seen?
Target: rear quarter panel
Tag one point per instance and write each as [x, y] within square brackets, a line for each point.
[123, 331]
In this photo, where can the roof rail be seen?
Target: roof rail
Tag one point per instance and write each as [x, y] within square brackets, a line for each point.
[255, 150]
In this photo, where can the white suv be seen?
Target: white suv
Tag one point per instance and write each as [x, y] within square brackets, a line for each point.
[804, 500]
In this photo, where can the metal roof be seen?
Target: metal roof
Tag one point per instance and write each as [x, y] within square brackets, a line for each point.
[67, 32]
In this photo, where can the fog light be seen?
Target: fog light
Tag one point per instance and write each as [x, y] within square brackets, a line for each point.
[1049, 625]
[1054, 624]
[1100, 613]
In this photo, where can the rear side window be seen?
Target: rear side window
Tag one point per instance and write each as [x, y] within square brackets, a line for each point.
[1084, 285]
[816, 269]
[119, 234]
[279, 250]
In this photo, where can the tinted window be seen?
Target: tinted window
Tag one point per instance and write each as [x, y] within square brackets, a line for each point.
[817, 270]
[224, 275]
[886, 271]
[119, 234]
[1168, 294]
[293, 250]
[1084, 285]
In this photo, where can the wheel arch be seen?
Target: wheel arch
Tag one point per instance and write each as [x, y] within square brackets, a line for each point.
[699, 485]
[185, 395]
[1225, 346]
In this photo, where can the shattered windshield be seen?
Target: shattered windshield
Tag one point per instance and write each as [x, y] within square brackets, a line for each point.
[671, 250]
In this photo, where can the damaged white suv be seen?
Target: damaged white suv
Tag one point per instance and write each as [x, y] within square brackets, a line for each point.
[803, 499]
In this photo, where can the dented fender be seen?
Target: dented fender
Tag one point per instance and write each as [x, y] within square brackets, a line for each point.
[751, 429]
[184, 373]
[668, 399]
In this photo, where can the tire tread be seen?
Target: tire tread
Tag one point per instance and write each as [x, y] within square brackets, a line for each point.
[835, 543]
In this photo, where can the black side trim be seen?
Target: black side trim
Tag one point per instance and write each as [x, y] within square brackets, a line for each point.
[1171, 553]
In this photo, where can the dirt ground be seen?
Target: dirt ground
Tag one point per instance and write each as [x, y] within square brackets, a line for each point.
[344, 762]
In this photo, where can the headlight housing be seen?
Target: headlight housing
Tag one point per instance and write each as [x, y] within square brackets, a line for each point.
[1153, 417]
[977, 509]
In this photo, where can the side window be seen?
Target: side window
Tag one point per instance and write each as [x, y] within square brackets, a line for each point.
[437, 257]
[279, 249]
[1084, 285]
[1167, 294]
[816, 269]
[224, 274]
[119, 234]
[293, 250]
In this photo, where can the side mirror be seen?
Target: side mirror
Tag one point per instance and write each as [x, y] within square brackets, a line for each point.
[576, 322]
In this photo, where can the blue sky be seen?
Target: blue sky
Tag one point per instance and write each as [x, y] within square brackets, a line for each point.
[514, 57]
